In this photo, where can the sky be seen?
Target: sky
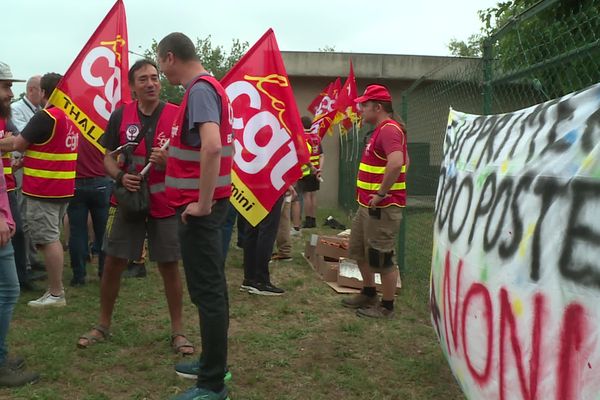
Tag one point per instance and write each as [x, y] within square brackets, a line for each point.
[39, 36]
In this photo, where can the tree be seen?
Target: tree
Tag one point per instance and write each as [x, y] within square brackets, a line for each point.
[215, 59]
[557, 29]
[471, 48]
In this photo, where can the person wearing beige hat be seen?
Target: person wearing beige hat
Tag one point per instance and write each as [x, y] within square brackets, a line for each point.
[11, 373]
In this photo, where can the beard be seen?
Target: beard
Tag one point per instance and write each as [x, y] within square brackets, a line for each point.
[4, 110]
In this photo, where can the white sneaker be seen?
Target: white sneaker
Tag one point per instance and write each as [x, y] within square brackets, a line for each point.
[48, 300]
[294, 232]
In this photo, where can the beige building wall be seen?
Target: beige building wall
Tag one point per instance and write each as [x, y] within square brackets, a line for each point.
[311, 72]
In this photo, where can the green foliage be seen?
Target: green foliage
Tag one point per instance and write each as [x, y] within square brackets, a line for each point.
[215, 59]
[470, 48]
[549, 46]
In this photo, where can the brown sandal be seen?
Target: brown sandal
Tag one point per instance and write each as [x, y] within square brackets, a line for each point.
[185, 347]
[91, 338]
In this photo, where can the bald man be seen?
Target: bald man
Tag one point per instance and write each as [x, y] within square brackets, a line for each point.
[22, 110]
[25, 253]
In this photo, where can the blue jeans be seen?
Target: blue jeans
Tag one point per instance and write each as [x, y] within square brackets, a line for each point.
[92, 196]
[9, 293]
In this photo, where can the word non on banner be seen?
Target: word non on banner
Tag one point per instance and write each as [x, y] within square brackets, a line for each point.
[515, 282]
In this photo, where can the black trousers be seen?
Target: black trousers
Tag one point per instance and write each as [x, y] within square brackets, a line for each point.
[258, 245]
[204, 265]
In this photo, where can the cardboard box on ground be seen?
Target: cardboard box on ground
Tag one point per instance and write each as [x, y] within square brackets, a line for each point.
[328, 255]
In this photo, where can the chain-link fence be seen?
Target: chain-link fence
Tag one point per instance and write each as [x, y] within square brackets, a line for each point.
[549, 50]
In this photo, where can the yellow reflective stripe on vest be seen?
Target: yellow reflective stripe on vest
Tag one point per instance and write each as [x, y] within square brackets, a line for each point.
[376, 186]
[7, 170]
[376, 170]
[157, 188]
[51, 156]
[43, 173]
[194, 183]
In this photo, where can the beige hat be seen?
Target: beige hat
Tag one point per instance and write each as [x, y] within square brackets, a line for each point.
[6, 75]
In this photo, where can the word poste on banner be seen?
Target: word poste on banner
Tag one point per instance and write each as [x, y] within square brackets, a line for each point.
[515, 281]
[268, 133]
[96, 83]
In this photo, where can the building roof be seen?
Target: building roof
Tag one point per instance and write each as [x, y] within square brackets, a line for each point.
[380, 66]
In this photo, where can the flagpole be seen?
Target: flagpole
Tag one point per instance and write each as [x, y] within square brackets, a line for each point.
[147, 167]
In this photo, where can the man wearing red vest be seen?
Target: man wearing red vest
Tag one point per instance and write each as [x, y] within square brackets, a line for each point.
[381, 195]
[147, 119]
[51, 140]
[11, 373]
[311, 175]
[199, 185]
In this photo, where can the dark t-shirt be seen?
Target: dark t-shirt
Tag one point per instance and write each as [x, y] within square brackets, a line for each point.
[11, 127]
[112, 138]
[204, 105]
[39, 128]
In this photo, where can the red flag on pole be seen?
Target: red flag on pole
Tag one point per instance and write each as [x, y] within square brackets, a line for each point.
[314, 105]
[96, 83]
[268, 133]
[346, 109]
[326, 110]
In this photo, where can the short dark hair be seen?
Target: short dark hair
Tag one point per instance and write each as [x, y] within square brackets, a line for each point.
[49, 82]
[180, 45]
[138, 65]
[306, 122]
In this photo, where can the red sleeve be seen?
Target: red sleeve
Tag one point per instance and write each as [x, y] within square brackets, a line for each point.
[390, 139]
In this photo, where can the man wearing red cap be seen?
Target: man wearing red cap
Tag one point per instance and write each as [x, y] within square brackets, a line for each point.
[381, 195]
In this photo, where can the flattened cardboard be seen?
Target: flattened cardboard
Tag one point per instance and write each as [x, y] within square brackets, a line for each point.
[349, 276]
[342, 289]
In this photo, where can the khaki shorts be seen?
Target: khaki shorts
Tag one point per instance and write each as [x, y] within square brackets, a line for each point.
[125, 239]
[374, 239]
[44, 219]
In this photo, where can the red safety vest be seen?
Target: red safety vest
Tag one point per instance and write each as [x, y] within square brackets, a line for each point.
[313, 143]
[49, 167]
[183, 167]
[128, 132]
[371, 171]
[7, 162]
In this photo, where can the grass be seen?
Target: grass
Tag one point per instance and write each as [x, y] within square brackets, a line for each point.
[303, 345]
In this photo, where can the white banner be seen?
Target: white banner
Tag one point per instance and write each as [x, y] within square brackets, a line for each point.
[515, 283]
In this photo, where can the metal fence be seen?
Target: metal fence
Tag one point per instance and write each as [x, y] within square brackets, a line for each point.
[550, 49]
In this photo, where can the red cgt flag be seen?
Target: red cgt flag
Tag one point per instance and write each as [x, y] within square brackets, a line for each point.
[326, 111]
[96, 83]
[346, 109]
[314, 105]
[268, 134]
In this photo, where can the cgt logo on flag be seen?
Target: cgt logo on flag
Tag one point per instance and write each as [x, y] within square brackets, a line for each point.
[110, 51]
[268, 134]
[258, 148]
[96, 83]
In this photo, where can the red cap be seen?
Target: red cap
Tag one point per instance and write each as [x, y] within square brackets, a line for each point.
[376, 93]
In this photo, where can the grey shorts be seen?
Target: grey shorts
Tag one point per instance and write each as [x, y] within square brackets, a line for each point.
[125, 239]
[44, 219]
[374, 237]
